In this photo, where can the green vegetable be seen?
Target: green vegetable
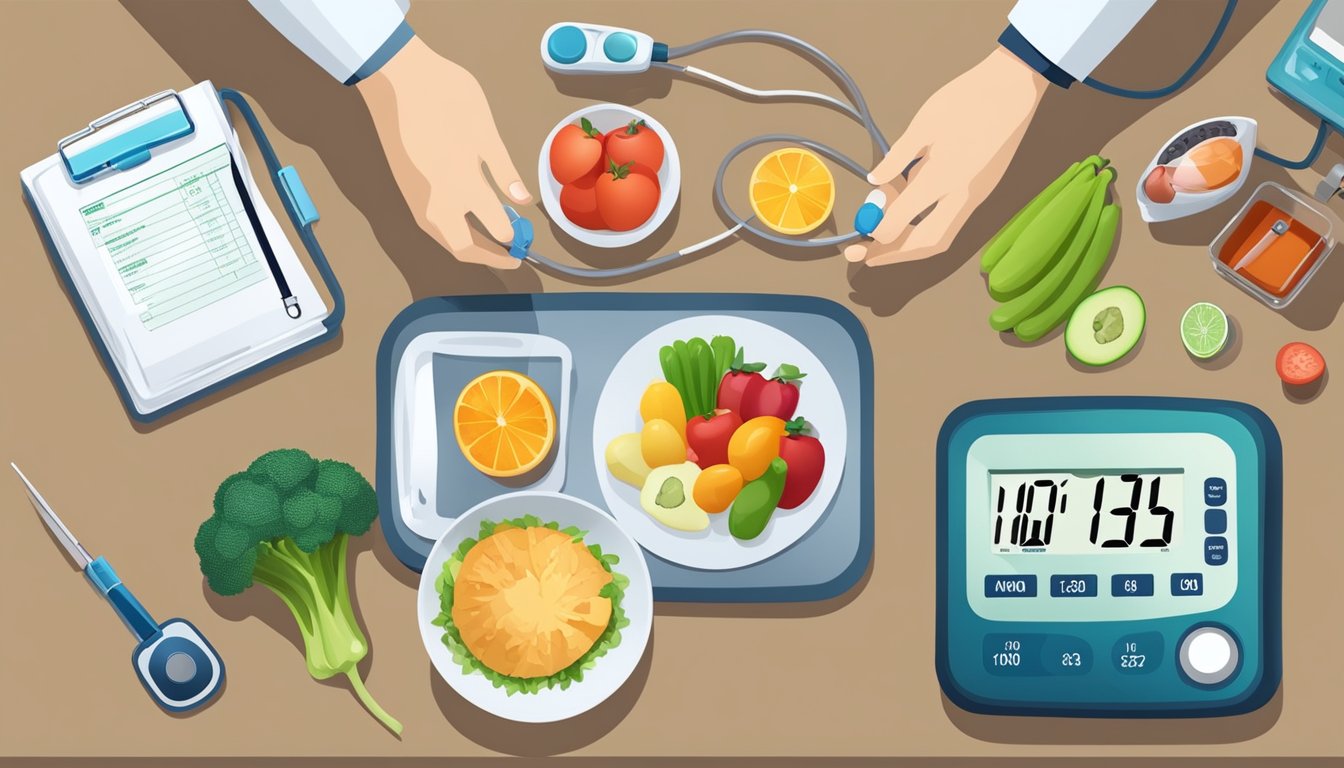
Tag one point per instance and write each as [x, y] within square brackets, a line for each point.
[1040, 243]
[452, 637]
[1003, 240]
[695, 367]
[1028, 303]
[1083, 281]
[1106, 326]
[285, 523]
[757, 501]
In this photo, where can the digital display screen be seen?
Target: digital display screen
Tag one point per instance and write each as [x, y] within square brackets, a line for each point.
[1084, 512]
[1329, 29]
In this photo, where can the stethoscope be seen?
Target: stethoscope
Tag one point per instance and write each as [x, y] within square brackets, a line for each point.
[870, 212]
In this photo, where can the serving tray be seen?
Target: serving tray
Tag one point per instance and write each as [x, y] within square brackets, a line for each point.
[596, 329]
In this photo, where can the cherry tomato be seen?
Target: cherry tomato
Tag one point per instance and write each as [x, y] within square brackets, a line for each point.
[1299, 363]
[627, 196]
[576, 152]
[739, 384]
[635, 143]
[708, 436]
[777, 397]
[806, 458]
[578, 202]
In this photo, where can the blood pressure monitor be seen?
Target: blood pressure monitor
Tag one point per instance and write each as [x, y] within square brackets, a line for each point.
[1108, 557]
[1309, 68]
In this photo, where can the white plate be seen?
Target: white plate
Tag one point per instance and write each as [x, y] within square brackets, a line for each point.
[715, 548]
[606, 117]
[610, 672]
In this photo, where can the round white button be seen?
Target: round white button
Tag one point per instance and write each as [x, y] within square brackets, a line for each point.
[1209, 655]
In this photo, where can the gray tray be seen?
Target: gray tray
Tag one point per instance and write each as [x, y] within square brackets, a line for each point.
[598, 328]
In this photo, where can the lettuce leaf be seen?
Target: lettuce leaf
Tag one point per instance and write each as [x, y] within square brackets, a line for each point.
[462, 656]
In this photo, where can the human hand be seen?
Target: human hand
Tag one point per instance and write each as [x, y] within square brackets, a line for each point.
[436, 129]
[964, 137]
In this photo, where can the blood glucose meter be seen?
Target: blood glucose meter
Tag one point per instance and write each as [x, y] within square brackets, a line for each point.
[1108, 557]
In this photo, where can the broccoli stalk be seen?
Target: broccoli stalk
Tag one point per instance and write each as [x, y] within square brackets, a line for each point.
[286, 524]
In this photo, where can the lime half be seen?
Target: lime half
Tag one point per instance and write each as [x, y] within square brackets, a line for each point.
[1204, 329]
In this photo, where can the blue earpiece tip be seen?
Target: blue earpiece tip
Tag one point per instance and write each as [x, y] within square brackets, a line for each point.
[867, 218]
[523, 234]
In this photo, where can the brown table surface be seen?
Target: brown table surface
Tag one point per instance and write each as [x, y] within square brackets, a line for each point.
[851, 677]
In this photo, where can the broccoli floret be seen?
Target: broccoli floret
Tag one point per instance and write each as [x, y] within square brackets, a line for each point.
[286, 523]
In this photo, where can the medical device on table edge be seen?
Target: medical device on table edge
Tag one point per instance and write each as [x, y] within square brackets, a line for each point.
[167, 332]
[1109, 557]
[175, 663]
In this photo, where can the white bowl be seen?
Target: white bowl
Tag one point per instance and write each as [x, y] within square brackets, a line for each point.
[1190, 203]
[606, 117]
[610, 671]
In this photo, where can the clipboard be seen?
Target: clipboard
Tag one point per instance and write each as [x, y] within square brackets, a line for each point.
[127, 151]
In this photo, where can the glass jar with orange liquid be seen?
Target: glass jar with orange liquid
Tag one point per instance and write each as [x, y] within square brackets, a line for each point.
[1274, 245]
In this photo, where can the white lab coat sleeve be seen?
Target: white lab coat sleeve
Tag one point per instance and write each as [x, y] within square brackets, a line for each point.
[350, 39]
[1076, 35]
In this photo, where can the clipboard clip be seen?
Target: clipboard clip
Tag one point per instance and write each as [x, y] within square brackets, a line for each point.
[127, 149]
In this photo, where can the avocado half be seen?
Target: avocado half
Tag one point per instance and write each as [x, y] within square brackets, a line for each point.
[1105, 326]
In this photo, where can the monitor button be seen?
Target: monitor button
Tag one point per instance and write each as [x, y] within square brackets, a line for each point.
[1215, 491]
[1138, 653]
[1187, 584]
[567, 44]
[1066, 655]
[1073, 585]
[1011, 585]
[1209, 655]
[1215, 521]
[1132, 585]
[1215, 550]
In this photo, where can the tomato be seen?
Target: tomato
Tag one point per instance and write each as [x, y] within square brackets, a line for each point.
[635, 143]
[576, 152]
[754, 445]
[777, 397]
[716, 487]
[627, 196]
[578, 202]
[740, 383]
[708, 436]
[1299, 363]
[806, 458]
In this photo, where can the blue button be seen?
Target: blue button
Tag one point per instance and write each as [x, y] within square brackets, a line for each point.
[1066, 655]
[1132, 585]
[1187, 584]
[1215, 491]
[1011, 585]
[620, 46]
[1215, 521]
[1073, 585]
[1215, 550]
[1013, 655]
[567, 44]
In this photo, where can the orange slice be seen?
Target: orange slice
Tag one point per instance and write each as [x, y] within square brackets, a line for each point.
[504, 423]
[792, 191]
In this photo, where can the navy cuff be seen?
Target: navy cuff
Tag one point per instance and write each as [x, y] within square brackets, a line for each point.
[391, 47]
[1019, 47]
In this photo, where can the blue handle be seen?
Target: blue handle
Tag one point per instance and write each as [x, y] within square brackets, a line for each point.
[523, 234]
[132, 613]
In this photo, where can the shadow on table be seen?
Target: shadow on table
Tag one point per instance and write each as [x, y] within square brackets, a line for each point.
[241, 50]
[541, 739]
[1068, 126]
[1001, 729]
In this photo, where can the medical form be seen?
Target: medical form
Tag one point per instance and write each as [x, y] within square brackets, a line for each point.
[171, 255]
[179, 240]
